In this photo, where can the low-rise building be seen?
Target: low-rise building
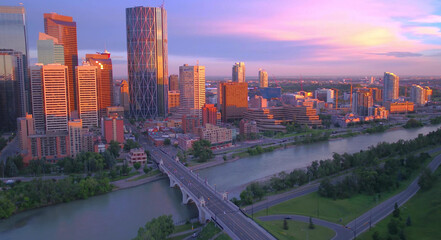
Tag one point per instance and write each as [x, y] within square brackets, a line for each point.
[218, 136]
[400, 107]
[136, 155]
[185, 141]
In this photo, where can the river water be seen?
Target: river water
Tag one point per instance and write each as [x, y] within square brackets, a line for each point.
[118, 215]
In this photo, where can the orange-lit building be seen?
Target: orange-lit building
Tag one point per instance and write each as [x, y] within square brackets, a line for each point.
[173, 82]
[173, 100]
[65, 30]
[190, 123]
[124, 96]
[209, 114]
[113, 129]
[104, 80]
[233, 100]
[400, 107]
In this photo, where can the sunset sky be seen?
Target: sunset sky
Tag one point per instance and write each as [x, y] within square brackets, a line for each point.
[285, 37]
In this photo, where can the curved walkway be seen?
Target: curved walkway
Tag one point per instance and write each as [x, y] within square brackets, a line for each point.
[341, 233]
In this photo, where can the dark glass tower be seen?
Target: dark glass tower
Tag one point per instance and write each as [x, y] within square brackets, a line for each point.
[14, 41]
[147, 59]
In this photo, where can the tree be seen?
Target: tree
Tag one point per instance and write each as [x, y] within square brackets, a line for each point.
[413, 123]
[7, 207]
[311, 224]
[146, 169]
[396, 212]
[157, 228]
[109, 159]
[137, 165]
[376, 236]
[167, 141]
[11, 169]
[114, 148]
[426, 179]
[130, 144]
[202, 150]
[392, 226]
[224, 157]
[18, 161]
[285, 224]
[408, 221]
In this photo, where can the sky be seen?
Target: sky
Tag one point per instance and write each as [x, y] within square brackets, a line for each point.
[284, 37]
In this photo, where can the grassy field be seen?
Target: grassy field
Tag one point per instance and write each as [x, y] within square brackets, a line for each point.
[339, 211]
[424, 210]
[296, 230]
[149, 174]
[208, 232]
[223, 236]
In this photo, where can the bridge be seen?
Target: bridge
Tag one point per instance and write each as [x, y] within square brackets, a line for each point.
[211, 205]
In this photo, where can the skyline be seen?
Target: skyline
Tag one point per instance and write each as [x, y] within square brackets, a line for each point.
[285, 38]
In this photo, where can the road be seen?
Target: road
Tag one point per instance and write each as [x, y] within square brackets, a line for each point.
[224, 211]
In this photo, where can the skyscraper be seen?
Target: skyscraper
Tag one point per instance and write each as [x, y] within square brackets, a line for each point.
[362, 101]
[173, 82]
[87, 95]
[263, 78]
[391, 87]
[104, 80]
[124, 95]
[239, 72]
[38, 99]
[49, 50]
[55, 101]
[192, 89]
[64, 29]
[233, 100]
[147, 60]
[13, 38]
[12, 104]
[418, 95]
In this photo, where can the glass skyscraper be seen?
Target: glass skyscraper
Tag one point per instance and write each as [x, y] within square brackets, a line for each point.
[391, 87]
[13, 39]
[147, 59]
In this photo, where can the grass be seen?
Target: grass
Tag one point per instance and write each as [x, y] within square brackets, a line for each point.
[223, 236]
[424, 210]
[340, 211]
[125, 177]
[208, 231]
[185, 227]
[296, 230]
[180, 237]
[149, 174]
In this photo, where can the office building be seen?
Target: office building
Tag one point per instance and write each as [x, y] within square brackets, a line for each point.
[124, 96]
[324, 94]
[147, 59]
[209, 115]
[75, 136]
[55, 102]
[13, 39]
[362, 101]
[248, 128]
[257, 102]
[263, 78]
[190, 123]
[113, 128]
[391, 87]
[173, 82]
[38, 99]
[239, 72]
[192, 89]
[233, 100]
[49, 50]
[64, 29]
[12, 89]
[104, 80]
[173, 100]
[87, 95]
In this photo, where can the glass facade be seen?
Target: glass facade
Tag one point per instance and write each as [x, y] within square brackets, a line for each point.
[11, 84]
[147, 58]
[13, 37]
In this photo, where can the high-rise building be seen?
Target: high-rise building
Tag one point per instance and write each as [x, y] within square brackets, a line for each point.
[13, 38]
[38, 99]
[209, 114]
[192, 89]
[124, 95]
[87, 95]
[113, 128]
[54, 78]
[233, 100]
[239, 72]
[391, 87]
[75, 136]
[362, 101]
[64, 29]
[263, 78]
[12, 89]
[49, 50]
[147, 59]
[419, 95]
[173, 100]
[173, 82]
[104, 82]
[324, 94]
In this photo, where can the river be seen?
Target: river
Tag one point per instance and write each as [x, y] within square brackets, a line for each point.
[118, 215]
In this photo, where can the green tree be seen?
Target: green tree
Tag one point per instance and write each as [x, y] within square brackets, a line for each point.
[7, 208]
[202, 150]
[167, 141]
[285, 224]
[392, 226]
[224, 157]
[426, 179]
[408, 221]
[109, 159]
[11, 169]
[137, 165]
[157, 228]
[130, 144]
[114, 148]
[396, 212]
[376, 236]
[146, 169]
